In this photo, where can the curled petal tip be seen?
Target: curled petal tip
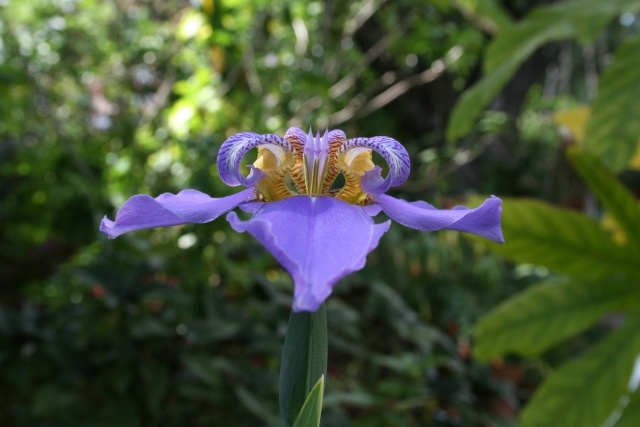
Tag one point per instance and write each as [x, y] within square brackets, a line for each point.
[394, 154]
[106, 226]
[233, 150]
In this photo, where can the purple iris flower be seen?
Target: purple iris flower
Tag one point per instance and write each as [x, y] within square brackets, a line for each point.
[317, 232]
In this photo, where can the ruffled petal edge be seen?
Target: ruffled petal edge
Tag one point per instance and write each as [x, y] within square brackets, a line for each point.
[318, 240]
[143, 211]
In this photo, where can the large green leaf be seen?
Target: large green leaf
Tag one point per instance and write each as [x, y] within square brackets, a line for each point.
[546, 313]
[585, 391]
[631, 413]
[614, 196]
[312, 409]
[613, 130]
[583, 19]
[564, 241]
[304, 361]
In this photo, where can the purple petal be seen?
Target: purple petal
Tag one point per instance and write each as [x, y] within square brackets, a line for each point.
[395, 155]
[318, 240]
[144, 211]
[251, 207]
[372, 210]
[296, 137]
[483, 220]
[234, 148]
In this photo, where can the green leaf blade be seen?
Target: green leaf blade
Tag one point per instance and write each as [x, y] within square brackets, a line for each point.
[613, 195]
[546, 313]
[476, 98]
[311, 411]
[583, 19]
[613, 132]
[564, 241]
[631, 412]
[585, 391]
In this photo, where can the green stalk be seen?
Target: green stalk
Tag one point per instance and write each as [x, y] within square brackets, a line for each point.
[304, 361]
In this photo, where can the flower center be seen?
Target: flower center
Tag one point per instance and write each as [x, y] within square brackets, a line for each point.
[301, 164]
[313, 164]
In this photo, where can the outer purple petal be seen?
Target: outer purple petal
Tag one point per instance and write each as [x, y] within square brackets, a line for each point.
[144, 211]
[483, 220]
[319, 240]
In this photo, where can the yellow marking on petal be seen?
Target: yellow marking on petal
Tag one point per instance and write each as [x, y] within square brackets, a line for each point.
[353, 164]
[335, 142]
[275, 162]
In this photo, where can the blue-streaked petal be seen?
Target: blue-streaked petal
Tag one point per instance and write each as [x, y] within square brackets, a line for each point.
[483, 221]
[168, 209]
[318, 240]
[233, 150]
[394, 154]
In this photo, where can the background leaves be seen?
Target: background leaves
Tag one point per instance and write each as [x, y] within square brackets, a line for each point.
[563, 241]
[582, 19]
[609, 136]
[185, 326]
[546, 313]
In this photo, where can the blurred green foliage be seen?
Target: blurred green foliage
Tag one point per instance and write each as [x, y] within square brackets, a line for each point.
[597, 258]
[184, 326]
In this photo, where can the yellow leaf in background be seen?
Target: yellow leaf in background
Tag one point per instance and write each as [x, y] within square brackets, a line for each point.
[208, 7]
[217, 58]
[635, 160]
[610, 224]
[574, 121]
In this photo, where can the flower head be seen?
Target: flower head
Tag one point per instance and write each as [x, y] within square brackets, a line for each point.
[318, 232]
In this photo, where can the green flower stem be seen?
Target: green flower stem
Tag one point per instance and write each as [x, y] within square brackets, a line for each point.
[304, 361]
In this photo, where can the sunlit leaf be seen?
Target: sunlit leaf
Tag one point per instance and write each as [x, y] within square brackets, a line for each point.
[585, 391]
[631, 413]
[190, 24]
[546, 313]
[563, 241]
